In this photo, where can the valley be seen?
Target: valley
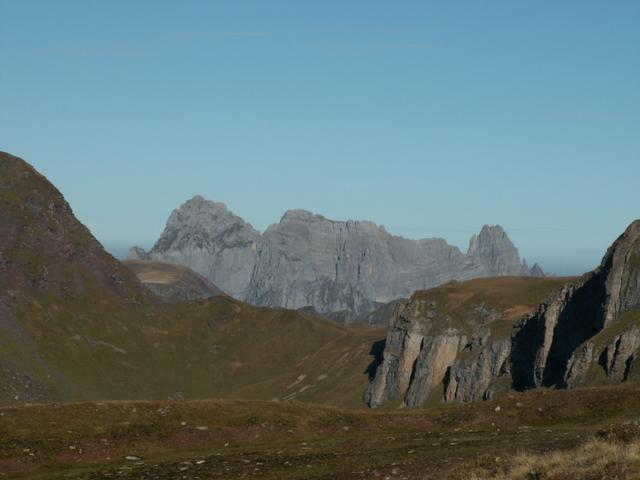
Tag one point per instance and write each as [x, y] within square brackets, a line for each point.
[144, 369]
[319, 240]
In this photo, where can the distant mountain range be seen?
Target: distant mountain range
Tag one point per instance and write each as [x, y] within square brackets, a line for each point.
[349, 268]
[76, 324]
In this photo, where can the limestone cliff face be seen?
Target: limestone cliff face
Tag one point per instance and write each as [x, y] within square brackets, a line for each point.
[453, 343]
[478, 374]
[589, 331]
[307, 260]
[425, 362]
[586, 331]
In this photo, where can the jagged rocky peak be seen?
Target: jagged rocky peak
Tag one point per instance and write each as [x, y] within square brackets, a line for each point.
[308, 260]
[536, 271]
[201, 219]
[211, 240]
[494, 248]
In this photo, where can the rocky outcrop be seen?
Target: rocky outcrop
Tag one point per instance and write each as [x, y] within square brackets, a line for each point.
[477, 375]
[453, 343]
[307, 260]
[534, 338]
[586, 332]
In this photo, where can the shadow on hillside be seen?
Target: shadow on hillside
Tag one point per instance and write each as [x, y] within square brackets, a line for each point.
[377, 350]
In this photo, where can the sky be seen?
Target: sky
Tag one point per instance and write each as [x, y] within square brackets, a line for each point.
[431, 118]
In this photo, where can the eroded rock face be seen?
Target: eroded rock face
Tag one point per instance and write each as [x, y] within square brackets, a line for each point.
[452, 343]
[476, 376]
[430, 357]
[589, 330]
[533, 341]
[586, 332]
[307, 260]
[619, 353]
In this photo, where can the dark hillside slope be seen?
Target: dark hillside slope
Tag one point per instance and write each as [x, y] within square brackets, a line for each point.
[47, 259]
[75, 324]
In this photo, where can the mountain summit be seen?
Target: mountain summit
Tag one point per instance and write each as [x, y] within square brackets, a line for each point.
[307, 260]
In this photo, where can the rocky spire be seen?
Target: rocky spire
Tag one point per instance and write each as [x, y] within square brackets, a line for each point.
[494, 249]
[213, 241]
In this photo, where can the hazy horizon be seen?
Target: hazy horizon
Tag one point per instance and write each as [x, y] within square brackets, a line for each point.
[431, 119]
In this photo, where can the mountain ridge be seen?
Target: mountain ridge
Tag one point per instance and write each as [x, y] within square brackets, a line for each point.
[308, 260]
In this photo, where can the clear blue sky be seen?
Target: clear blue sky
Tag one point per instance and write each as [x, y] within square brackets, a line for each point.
[431, 118]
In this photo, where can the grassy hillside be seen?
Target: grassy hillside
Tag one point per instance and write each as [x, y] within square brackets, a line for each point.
[75, 324]
[212, 348]
[193, 440]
